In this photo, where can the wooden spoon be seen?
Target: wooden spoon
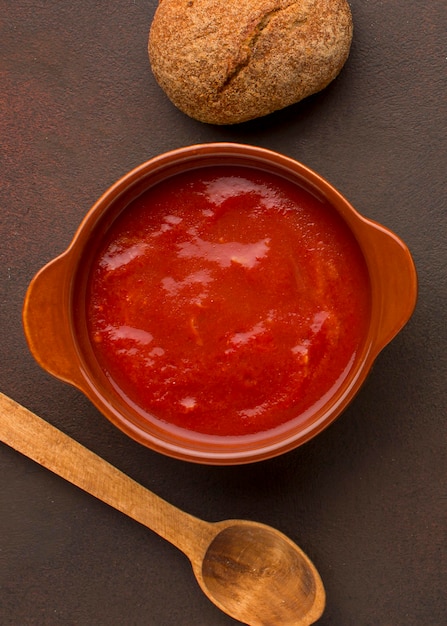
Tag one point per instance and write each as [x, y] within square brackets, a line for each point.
[250, 571]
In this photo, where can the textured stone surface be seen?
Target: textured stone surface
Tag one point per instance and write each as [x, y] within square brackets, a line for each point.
[365, 499]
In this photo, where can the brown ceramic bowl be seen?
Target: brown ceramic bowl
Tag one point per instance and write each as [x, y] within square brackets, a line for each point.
[54, 309]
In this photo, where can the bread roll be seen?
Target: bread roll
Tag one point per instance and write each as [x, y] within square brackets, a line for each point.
[229, 61]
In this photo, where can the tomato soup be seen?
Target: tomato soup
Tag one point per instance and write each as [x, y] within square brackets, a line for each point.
[227, 301]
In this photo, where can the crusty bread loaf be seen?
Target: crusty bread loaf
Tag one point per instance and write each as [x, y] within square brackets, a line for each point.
[229, 61]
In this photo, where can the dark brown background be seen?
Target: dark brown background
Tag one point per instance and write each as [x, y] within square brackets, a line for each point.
[367, 498]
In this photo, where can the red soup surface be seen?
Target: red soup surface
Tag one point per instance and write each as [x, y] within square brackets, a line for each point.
[227, 301]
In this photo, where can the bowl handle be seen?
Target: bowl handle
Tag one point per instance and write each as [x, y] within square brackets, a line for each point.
[398, 288]
[46, 322]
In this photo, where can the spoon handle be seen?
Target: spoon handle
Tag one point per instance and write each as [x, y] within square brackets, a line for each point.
[40, 441]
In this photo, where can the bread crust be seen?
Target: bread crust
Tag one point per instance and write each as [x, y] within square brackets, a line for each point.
[228, 61]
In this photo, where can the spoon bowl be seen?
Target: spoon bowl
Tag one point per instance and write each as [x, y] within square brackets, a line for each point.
[249, 570]
[259, 576]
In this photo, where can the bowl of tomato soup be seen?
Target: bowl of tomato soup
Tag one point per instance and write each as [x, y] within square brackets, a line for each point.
[220, 303]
